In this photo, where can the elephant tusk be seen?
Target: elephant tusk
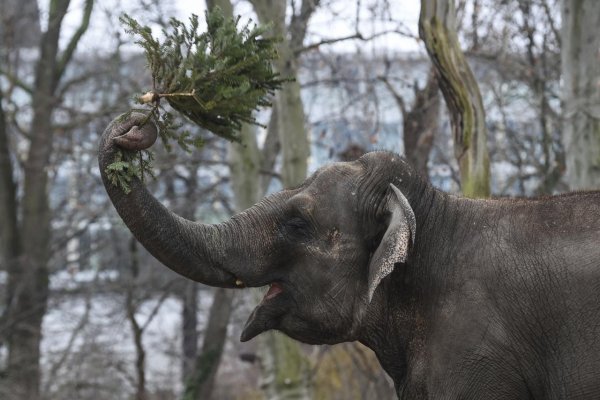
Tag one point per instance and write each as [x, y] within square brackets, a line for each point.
[239, 283]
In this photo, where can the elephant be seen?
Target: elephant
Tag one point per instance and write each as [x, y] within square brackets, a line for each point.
[459, 298]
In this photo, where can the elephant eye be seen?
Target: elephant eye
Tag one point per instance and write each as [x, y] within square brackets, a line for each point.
[297, 228]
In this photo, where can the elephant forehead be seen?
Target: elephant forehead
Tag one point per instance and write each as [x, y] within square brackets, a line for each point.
[329, 188]
[332, 194]
[337, 177]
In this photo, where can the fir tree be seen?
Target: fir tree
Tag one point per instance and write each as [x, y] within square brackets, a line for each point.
[216, 79]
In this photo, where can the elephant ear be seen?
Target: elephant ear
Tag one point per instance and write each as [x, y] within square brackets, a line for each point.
[400, 234]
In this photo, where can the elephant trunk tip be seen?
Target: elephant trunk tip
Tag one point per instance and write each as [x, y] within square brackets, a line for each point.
[139, 134]
[132, 131]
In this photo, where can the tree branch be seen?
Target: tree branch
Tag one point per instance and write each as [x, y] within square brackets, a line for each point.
[56, 367]
[15, 81]
[299, 23]
[323, 42]
[549, 16]
[65, 239]
[68, 53]
[271, 148]
[397, 97]
[355, 36]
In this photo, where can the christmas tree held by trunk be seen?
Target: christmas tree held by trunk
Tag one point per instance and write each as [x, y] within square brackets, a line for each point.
[215, 79]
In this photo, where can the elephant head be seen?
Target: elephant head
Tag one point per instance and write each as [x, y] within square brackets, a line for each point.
[323, 247]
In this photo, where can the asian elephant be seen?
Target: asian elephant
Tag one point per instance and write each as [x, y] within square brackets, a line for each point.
[458, 298]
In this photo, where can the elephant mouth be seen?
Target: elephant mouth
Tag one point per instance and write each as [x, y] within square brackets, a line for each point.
[267, 313]
[274, 290]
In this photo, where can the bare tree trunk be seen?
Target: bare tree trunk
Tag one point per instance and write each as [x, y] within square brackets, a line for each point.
[420, 122]
[136, 329]
[28, 279]
[437, 29]
[201, 382]
[9, 229]
[295, 145]
[249, 181]
[244, 165]
[189, 328]
[189, 292]
[9, 236]
[286, 369]
[9, 233]
[271, 149]
[19, 23]
[244, 161]
[581, 92]
[134, 298]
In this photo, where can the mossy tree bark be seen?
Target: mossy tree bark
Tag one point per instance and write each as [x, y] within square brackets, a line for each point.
[437, 29]
[244, 171]
[295, 147]
[581, 92]
[287, 374]
[286, 369]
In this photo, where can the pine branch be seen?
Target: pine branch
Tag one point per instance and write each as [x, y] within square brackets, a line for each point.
[216, 79]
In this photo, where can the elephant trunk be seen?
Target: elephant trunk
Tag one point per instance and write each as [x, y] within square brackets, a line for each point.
[194, 250]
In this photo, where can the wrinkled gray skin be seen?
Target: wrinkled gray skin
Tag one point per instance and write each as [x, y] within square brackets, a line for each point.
[496, 299]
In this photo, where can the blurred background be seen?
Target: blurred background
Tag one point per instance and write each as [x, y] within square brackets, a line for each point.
[86, 313]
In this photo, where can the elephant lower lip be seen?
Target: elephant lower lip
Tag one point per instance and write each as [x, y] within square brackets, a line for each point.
[266, 315]
[274, 290]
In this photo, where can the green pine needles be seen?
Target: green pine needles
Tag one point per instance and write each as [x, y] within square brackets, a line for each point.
[216, 79]
[129, 164]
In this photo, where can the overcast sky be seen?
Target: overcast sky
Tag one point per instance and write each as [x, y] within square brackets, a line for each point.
[334, 19]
